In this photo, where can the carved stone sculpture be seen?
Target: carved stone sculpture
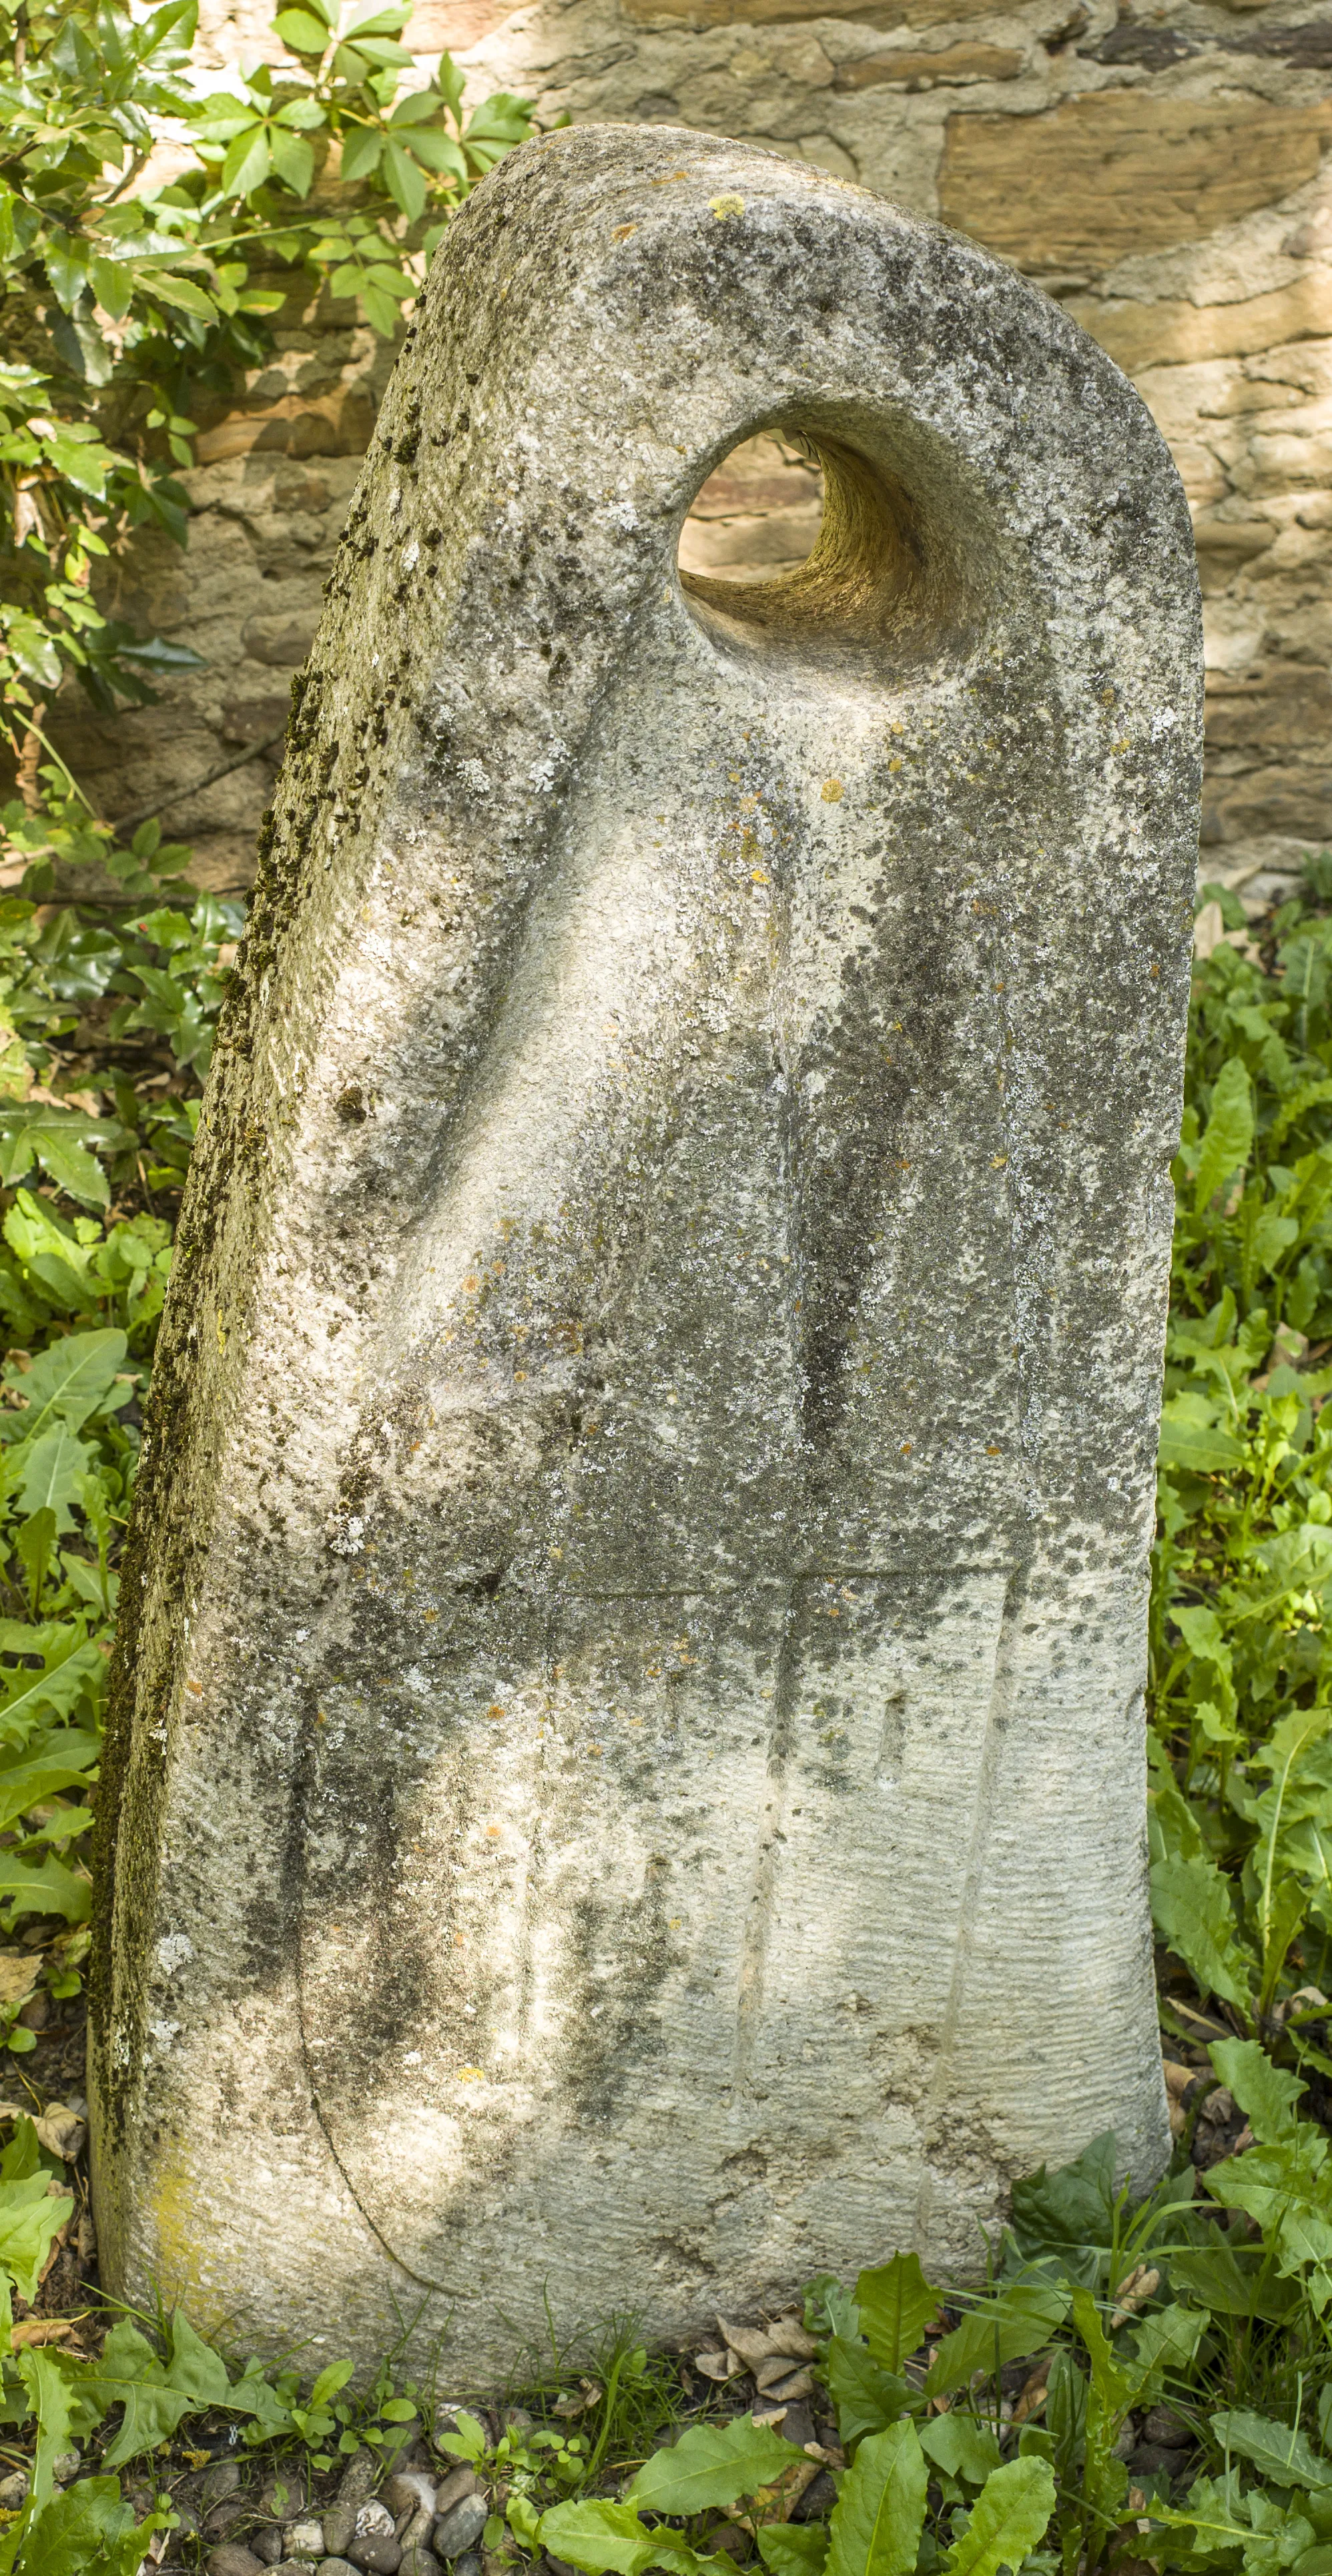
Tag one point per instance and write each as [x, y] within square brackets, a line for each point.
[627, 1783]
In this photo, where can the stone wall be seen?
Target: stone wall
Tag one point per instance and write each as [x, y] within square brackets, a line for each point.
[1163, 172]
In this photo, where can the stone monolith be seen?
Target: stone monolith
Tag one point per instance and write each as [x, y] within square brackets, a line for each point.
[627, 1784]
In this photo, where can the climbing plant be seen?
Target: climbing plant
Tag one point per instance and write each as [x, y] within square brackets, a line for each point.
[138, 280]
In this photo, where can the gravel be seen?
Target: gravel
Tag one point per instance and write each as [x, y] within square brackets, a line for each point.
[461, 2527]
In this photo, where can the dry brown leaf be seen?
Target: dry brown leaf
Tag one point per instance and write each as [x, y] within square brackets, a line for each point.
[61, 2131]
[1134, 2290]
[35, 2330]
[19, 1971]
[1177, 2078]
[568, 2405]
[789, 2335]
[753, 2343]
[1032, 2394]
[800, 2384]
[719, 2366]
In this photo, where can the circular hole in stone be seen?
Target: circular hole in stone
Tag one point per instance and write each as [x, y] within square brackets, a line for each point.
[758, 517]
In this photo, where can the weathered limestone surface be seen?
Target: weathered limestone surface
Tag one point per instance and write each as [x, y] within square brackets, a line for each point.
[629, 1747]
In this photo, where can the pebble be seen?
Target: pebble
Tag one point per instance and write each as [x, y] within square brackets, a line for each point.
[1163, 2425]
[410, 2490]
[461, 2527]
[378, 2554]
[231, 2560]
[221, 2480]
[339, 2529]
[373, 2520]
[418, 2560]
[336, 2566]
[472, 2563]
[13, 2490]
[304, 2540]
[358, 2478]
[267, 2545]
[459, 2483]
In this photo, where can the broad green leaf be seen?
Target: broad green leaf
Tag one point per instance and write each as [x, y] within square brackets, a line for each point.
[1011, 2514]
[896, 2304]
[304, 34]
[1282, 2453]
[50, 1889]
[200, 2372]
[1233, 2282]
[34, 1697]
[1165, 2343]
[88, 2530]
[1006, 2327]
[60, 1764]
[1228, 1135]
[1266, 2095]
[30, 2218]
[49, 2396]
[1194, 1913]
[879, 2516]
[866, 2397]
[793, 2548]
[130, 2373]
[710, 2465]
[403, 180]
[52, 1467]
[68, 1380]
[961, 2447]
[1191, 1440]
[1069, 2215]
[606, 2539]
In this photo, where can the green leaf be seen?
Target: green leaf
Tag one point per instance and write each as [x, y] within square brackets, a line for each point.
[793, 2548]
[304, 34]
[866, 2397]
[1006, 2327]
[52, 1889]
[961, 2447]
[1265, 2093]
[130, 2373]
[1069, 2215]
[606, 2539]
[1283, 2454]
[52, 1467]
[195, 2368]
[30, 2219]
[48, 1694]
[247, 163]
[68, 1380]
[1190, 1439]
[60, 1764]
[182, 294]
[1228, 1135]
[1195, 1915]
[293, 160]
[403, 180]
[88, 2530]
[879, 2516]
[1233, 2282]
[711, 2465]
[896, 2304]
[1012, 2513]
